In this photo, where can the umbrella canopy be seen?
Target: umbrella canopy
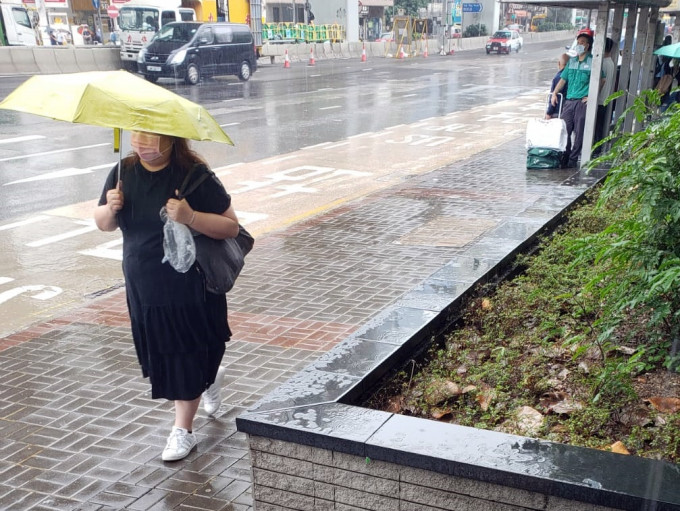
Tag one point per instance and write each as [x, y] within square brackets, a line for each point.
[114, 99]
[670, 50]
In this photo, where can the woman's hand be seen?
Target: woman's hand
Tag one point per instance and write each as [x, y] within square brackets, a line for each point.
[180, 211]
[115, 199]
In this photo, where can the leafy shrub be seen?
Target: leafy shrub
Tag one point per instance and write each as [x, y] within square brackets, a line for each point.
[475, 30]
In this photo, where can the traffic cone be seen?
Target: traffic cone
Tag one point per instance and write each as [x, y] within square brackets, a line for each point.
[425, 52]
[363, 53]
[286, 61]
[402, 55]
[311, 57]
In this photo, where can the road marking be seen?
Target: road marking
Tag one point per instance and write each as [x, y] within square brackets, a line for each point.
[330, 107]
[106, 250]
[314, 146]
[409, 95]
[277, 160]
[226, 169]
[70, 234]
[337, 145]
[72, 171]
[47, 292]
[21, 139]
[46, 153]
[28, 221]
[5, 280]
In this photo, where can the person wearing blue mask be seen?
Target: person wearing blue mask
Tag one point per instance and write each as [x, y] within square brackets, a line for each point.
[577, 76]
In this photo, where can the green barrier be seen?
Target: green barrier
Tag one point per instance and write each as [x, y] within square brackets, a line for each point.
[300, 32]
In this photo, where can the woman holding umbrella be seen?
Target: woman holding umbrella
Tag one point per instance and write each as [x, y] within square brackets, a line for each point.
[179, 329]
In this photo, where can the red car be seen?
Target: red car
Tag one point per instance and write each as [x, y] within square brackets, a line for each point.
[504, 41]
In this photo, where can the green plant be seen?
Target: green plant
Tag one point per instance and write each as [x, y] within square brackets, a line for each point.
[638, 255]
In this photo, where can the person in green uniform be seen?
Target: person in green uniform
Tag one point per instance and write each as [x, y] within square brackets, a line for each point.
[577, 76]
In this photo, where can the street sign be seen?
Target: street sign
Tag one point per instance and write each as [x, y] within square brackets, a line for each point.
[112, 11]
[95, 4]
[472, 7]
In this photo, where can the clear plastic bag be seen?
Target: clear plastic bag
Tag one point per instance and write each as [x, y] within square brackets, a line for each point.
[178, 244]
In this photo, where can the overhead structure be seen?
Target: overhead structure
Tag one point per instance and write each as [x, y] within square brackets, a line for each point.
[633, 28]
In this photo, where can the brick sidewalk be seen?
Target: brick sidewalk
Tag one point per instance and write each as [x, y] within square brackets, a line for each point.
[79, 430]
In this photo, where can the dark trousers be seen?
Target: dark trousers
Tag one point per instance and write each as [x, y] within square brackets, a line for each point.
[574, 115]
[601, 123]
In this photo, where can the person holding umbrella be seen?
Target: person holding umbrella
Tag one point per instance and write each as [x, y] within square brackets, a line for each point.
[179, 329]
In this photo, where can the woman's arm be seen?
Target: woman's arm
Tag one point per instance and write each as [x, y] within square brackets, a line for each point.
[105, 215]
[211, 224]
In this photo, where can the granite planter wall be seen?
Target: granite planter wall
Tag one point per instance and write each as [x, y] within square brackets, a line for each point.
[312, 447]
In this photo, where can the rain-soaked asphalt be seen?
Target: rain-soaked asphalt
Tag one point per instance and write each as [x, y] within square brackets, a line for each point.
[357, 189]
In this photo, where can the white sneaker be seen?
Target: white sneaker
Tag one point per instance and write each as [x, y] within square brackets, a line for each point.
[180, 443]
[212, 398]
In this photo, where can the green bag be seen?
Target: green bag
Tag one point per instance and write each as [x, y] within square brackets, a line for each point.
[540, 158]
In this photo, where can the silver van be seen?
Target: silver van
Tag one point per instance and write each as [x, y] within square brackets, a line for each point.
[192, 50]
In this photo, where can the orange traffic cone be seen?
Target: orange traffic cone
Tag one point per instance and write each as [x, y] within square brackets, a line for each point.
[425, 52]
[311, 57]
[363, 53]
[286, 61]
[402, 55]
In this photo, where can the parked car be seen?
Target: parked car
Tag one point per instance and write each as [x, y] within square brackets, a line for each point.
[385, 37]
[504, 41]
[191, 50]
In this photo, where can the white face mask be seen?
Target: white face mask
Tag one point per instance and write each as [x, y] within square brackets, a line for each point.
[580, 49]
[147, 146]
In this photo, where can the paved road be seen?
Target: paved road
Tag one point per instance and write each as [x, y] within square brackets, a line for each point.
[55, 258]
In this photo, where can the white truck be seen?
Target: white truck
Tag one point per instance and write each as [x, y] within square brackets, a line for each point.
[16, 28]
[139, 20]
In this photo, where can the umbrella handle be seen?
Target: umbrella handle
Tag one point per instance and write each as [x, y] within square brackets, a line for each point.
[118, 146]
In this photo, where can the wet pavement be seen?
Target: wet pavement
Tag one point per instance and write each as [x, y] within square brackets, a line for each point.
[79, 430]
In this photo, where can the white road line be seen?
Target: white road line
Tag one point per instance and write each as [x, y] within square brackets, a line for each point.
[409, 95]
[229, 124]
[63, 236]
[5, 280]
[226, 169]
[20, 223]
[54, 152]
[314, 146]
[277, 160]
[106, 250]
[72, 171]
[367, 134]
[330, 107]
[21, 139]
[337, 145]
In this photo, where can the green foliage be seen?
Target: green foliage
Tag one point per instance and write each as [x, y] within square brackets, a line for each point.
[594, 309]
[475, 30]
[410, 6]
[549, 26]
[559, 15]
[638, 255]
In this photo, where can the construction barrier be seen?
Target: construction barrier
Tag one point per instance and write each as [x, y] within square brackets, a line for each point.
[301, 33]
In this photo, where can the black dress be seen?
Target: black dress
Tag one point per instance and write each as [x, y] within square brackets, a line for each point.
[179, 329]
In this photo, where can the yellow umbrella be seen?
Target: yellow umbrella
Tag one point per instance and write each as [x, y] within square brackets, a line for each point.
[115, 99]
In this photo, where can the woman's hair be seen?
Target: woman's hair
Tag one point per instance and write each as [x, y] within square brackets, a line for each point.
[182, 156]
